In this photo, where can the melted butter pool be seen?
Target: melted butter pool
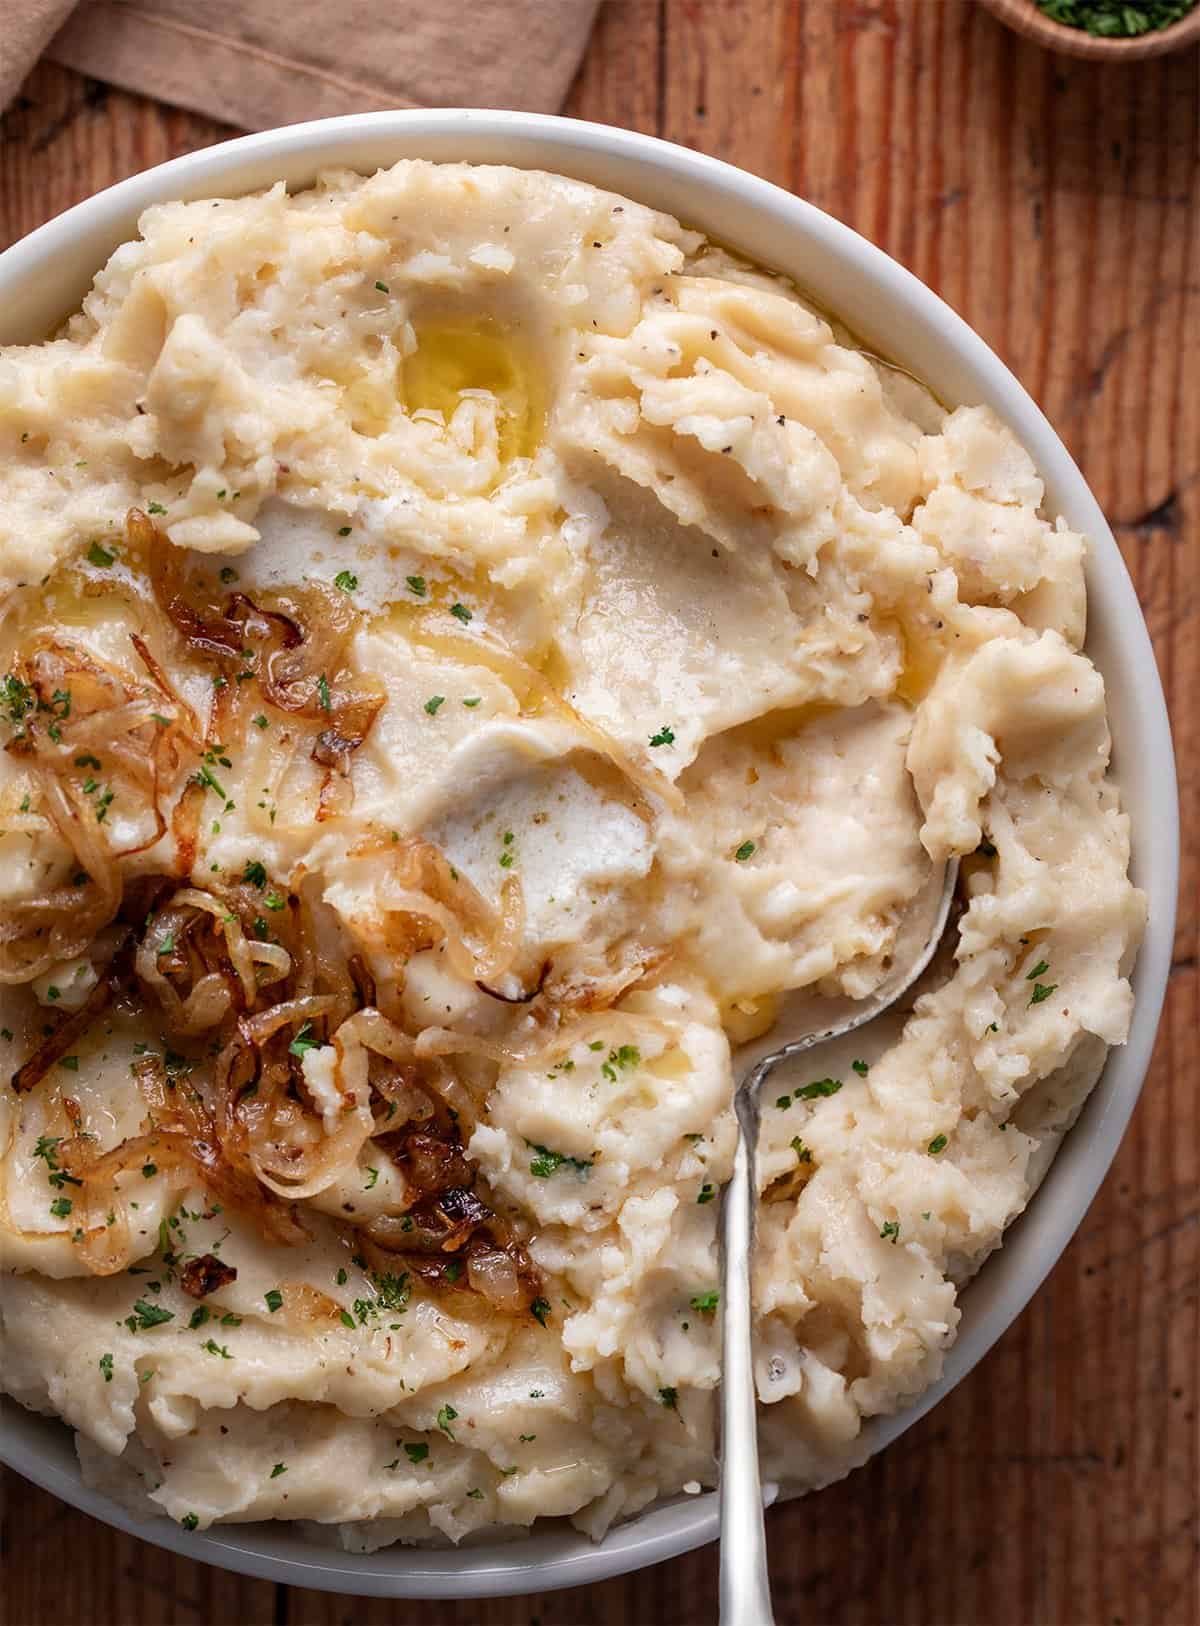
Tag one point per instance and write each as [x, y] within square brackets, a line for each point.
[454, 355]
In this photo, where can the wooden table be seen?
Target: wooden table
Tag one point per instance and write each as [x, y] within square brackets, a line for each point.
[1057, 206]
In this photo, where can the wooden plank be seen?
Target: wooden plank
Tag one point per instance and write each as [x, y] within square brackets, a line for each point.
[1057, 206]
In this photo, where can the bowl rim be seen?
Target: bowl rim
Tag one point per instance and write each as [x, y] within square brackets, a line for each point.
[36, 287]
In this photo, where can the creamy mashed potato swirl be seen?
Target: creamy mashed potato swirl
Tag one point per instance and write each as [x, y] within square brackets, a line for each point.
[545, 642]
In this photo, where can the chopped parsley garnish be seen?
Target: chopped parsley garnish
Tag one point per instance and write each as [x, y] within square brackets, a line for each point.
[1039, 970]
[1116, 19]
[61, 1207]
[803, 1155]
[341, 1277]
[473, 701]
[434, 701]
[453, 1270]
[345, 579]
[167, 946]
[198, 1317]
[862, 1068]
[100, 557]
[811, 1092]
[475, 1494]
[416, 585]
[891, 1231]
[323, 693]
[211, 1347]
[279, 1468]
[149, 1170]
[147, 1315]
[1042, 991]
[71, 1063]
[228, 573]
[372, 1179]
[665, 736]
[444, 1418]
[461, 612]
[547, 1162]
[273, 1299]
[255, 873]
[623, 1057]
[302, 1044]
[346, 1319]
[416, 1453]
[745, 851]
[383, 288]
[189, 1521]
[260, 721]
[707, 1193]
[106, 1366]
[669, 1398]
[938, 1144]
[540, 1309]
[274, 901]
[706, 1303]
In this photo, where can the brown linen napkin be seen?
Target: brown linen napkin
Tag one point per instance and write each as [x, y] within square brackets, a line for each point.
[258, 63]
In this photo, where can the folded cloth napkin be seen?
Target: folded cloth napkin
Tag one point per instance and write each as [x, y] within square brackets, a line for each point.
[257, 63]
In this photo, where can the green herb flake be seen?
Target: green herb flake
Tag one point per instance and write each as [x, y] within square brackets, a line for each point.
[1039, 970]
[211, 1347]
[198, 1317]
[146, 1316]
[255, 874]
[473, 701]
[416, 1453]
[476, 1494]
[669, 1398]
[279, 1468]
[372, 1179]
[745, 851]
[346, 1319]
[61, 1207]
[100, 557]
[803, 1154]
[818, 1088]
[665, 736]
[383, 288]
[106, 1366]
[445, 1417]
[416, 585]
[345, 579]
[71, 1063]
[189, 1521]
[434, 701]
[540, 1309]
[273, 1299]
[862, 1068]
[938, 1144]
[323, 699]
[707, 1193]
[302, 1044]
[706, 1303]
[461, 613]
[1042, 990]
[891, 1231]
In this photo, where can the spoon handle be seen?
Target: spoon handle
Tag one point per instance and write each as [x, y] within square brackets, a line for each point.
[745, 1587]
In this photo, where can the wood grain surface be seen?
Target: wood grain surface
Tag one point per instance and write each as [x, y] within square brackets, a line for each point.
[1056, 204]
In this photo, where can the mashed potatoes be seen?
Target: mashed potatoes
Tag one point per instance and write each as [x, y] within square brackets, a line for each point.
[540, 642]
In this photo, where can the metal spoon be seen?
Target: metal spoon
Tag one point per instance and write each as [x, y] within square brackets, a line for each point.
[744, 1587]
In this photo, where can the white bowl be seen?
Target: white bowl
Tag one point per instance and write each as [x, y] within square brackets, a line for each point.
[44, 277]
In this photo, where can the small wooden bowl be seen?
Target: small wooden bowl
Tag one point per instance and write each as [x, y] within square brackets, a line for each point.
[1030, 20]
